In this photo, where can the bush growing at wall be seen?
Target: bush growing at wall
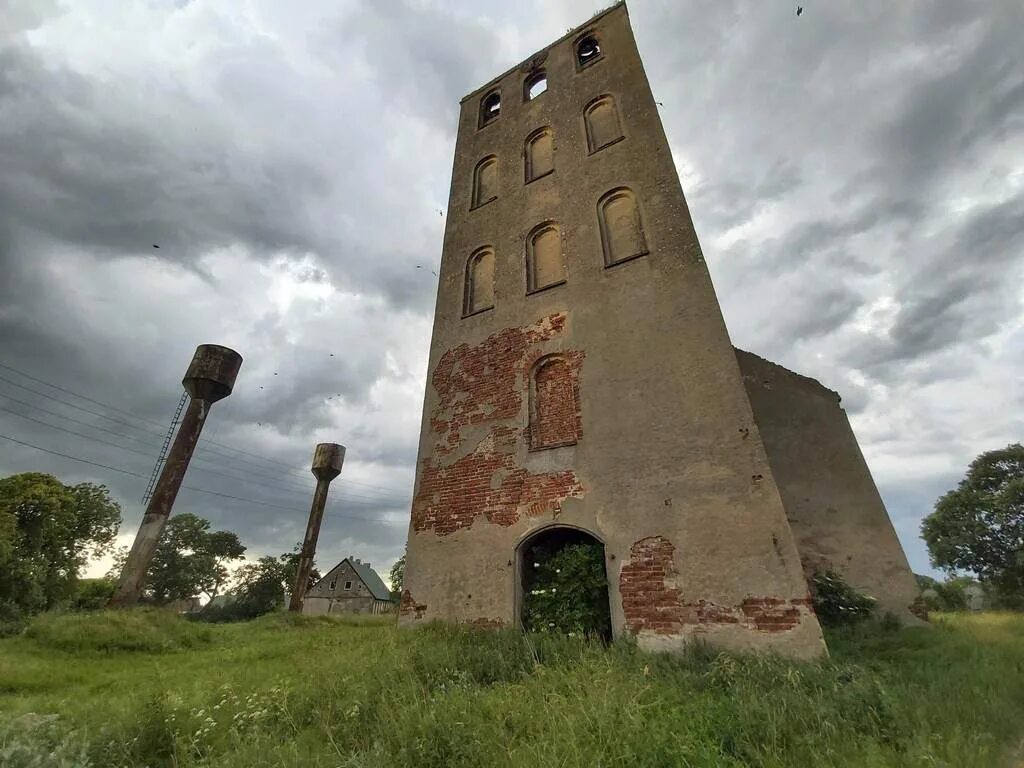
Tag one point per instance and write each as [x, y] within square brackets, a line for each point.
[566, 590]
[837, 603]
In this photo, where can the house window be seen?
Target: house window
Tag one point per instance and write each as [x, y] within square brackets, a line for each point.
[539, 154]
[545, 266]
[601, 119]
[554, 404]
[334, 583]
[348, 585]
[588, 50]
[535, 85]
[622, 231]
[479, 290]
[490, 107]
[485, 181]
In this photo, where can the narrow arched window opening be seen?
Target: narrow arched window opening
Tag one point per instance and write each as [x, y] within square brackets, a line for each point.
[601, 120]
[535, 85]
[539, 154]
[588, 50]
[545, 265]
[622, 231]
[555, 403]
[485, 181]
[479, 289]
[490, 107]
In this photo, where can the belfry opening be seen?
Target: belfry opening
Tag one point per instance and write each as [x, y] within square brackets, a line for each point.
[563, 583]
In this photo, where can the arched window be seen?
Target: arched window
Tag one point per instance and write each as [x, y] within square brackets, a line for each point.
[555, 404]
[485, 181]
[539, 154]
[545, 266]
[490, 107]
[602, 123]
[588, 50]
[535, 85]
[622, 230]
[479, 282]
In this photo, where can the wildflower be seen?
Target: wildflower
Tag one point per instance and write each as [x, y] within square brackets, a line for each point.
[553, 590]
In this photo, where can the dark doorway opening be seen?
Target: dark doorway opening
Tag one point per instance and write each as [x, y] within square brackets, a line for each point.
[564, 583]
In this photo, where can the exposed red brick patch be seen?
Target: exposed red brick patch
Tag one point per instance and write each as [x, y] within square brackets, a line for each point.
[483, 382]
[484, 385]
[409, 607]
[555, 417]
[652, 601]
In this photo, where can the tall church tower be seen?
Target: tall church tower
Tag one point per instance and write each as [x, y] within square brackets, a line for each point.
[581, 380]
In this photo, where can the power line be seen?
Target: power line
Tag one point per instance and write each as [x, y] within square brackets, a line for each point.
[381, 501]
[161, 434]
[76, 394]
[184, 487]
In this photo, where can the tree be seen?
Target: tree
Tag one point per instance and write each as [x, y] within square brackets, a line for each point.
[979, 526]
[48, 531]
[259, 587]
[190, 559]
[398, 576]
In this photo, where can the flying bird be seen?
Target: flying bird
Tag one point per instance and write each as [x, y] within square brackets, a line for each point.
[799, 10]
[659, 104]
[440, 213]
[155, 245]
[332, 354]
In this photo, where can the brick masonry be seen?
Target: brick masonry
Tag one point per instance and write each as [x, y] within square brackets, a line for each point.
[482, 385]
[653, 602]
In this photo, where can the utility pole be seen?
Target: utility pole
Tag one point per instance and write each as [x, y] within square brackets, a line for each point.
[209, 378]
[327, 461]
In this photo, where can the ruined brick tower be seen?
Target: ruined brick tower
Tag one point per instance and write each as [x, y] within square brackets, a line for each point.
[581, 378]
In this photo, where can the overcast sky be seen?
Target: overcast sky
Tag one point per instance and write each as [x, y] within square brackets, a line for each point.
[856, 176]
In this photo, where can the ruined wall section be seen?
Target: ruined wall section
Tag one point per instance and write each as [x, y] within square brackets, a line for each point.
[833, 505]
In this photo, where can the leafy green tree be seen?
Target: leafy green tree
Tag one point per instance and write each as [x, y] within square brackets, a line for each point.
[979, 526]
[48, 532]
[398, 576]
[190, 559]
[566, 590]
[92, 594]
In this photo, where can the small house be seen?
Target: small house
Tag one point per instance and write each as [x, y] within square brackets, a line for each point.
[350, 587]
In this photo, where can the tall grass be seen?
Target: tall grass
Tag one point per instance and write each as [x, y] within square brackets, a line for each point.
[285, 692]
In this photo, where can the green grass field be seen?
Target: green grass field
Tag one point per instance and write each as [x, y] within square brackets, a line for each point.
[148, 689]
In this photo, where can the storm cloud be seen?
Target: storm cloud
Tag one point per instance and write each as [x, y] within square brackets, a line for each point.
[275, 177]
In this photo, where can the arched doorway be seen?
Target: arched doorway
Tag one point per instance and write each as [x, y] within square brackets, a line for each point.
[563, 583]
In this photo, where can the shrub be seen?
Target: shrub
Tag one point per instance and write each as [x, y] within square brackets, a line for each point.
[141, 629]
[836, 602]
[566, 590]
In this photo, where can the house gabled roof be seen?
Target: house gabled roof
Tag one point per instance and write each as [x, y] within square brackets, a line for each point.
[372, 581]
[367, 575]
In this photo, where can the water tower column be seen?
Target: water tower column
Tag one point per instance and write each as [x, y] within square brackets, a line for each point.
[209, 378]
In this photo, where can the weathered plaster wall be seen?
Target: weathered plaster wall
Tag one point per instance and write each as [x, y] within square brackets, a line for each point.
[667, 448]
[833, 506]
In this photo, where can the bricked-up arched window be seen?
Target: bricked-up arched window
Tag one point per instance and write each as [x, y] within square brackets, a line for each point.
[601, 118]
[622, 229]
[545, 265]
[479, 282]
[539, 154]
[490, 107]
[554, 403]
[485, 181]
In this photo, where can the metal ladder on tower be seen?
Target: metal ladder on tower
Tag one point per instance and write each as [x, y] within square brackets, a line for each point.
[164, 449]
